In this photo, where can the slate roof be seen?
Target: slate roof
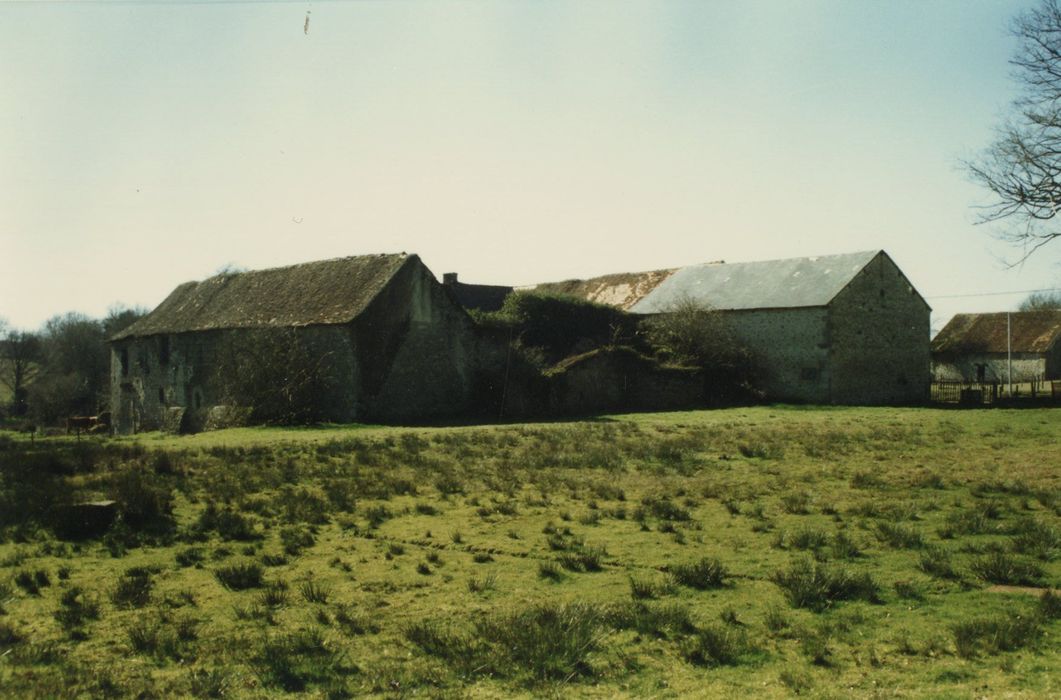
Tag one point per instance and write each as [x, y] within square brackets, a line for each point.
[1030, 332]
[325, 292]
[772, 284]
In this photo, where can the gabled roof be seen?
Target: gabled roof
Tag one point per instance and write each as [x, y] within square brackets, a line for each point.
[772, 284]
[316, 293]
[1029, 331]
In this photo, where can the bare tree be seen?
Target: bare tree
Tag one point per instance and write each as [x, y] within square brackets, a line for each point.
[279, 374]
[1022, 169]
[20, 354]
[1042, 301]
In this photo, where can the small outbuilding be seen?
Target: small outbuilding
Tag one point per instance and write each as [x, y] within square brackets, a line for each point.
[982, 348]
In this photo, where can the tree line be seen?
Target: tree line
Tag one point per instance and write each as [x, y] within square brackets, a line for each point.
[60, 370]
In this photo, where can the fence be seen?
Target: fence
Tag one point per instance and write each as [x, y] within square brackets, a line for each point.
[988, 394]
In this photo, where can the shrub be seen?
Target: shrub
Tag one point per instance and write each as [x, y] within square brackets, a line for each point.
[293, 661]
[843, 547]
[1038, 539]
[134, 588]
[190, 556]
[549, 642]
[550, 570]
[659, 620]
[229, 524]
[75, 608]
[900, 536]
[936, 562]
[715, 645]
[583, 558]
[1050, 605]
[480, 584]
[32, 581]
[354, 622]
[274, 595]
[994, 635]
[703, 574]
[815, 586]
[1004, 568]
[663, 508]
[796, 503]
[642, 588]
[313, 592]
[295, 539]
[240, 576]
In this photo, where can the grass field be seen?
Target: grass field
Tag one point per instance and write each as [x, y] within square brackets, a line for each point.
[759, 552]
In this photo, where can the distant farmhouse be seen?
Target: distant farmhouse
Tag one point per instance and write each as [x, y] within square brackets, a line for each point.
[399, 346]
[394, 344]
[844, 329]
[978, 347]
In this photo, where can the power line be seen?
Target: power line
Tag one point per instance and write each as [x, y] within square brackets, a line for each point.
[993, 294]
[118, 3]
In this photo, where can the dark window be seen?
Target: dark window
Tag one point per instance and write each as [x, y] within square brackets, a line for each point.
[163, 350]
[124, 357]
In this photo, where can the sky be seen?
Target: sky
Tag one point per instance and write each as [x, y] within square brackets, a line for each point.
[144, 144]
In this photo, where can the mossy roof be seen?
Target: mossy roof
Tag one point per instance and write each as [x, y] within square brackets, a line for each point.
[325, 292]
[1029, 331]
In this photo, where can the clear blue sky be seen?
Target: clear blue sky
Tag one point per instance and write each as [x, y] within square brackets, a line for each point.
[143, 144]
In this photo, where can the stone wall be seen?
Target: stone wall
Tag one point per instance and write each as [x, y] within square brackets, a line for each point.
[417, 350]
[610, 380]
[790, 350]
[152, 374]
[879, 339]
[1026, 368]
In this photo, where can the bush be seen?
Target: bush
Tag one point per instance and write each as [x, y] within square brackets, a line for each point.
[559, 325]
[704, 574]
[715, 645]
[994, 635]
[549, 642]
[134, 588]
[1004, 568]
[293, 661]
[240, 576]
[815, 586]
[900, 536]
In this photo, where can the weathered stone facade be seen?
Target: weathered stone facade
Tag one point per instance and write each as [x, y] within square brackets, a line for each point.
[407, 353]
[879, 330]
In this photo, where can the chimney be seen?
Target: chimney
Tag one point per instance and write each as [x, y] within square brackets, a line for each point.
[449, 278]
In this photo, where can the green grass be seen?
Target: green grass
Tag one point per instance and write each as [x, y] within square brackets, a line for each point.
[754, 552]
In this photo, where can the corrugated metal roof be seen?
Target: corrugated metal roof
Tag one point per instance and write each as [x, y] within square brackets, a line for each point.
[315, 293]
[772, 284]
[1030, 331]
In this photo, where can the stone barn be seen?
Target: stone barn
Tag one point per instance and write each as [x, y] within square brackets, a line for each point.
[842, 329]
[376, 337]
[978, 347]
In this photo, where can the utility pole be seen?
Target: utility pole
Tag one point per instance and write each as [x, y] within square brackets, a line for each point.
[1009, 354]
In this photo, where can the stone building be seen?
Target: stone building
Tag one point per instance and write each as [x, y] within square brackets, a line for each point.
[843, 329]
[397, 345]
[979, 347]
